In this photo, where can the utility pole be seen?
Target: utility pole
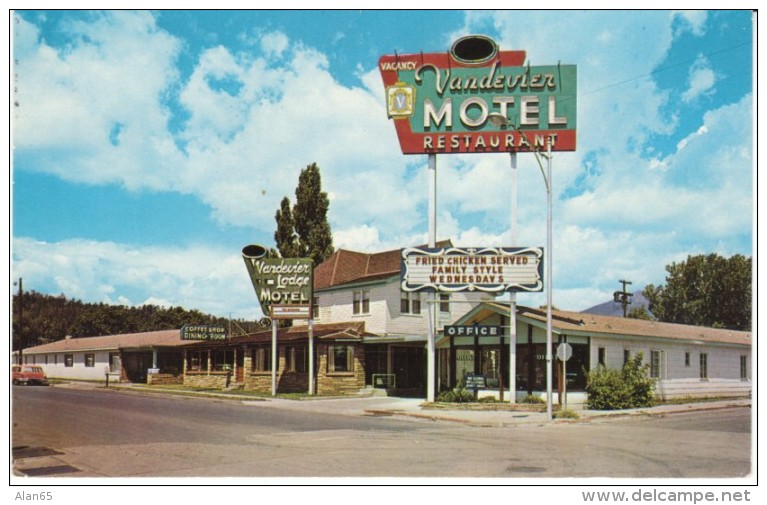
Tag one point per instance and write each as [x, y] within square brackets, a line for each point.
[623, 297]
[21, 321]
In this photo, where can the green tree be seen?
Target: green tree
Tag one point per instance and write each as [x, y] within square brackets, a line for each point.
[705, 290]
[639, 313]
[310, 220]
[285, 236]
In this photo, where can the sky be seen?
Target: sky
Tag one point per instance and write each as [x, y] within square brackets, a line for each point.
[149, 147]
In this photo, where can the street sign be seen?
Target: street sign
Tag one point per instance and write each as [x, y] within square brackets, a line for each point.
[564, 351]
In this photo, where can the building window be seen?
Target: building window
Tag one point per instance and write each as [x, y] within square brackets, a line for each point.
[340, 358]
[261, 359]
[361, 302]
[196, 361]
[69, 360]
[297, 359]
[410, 303]
[744, 368]
[315, 307]
[115, 364]
[703, 366]
[46, 359]
[626, 356]
[90, 360]
[444, 303]
[687, 358]
[601, 356]
[223, 360]
[55, 359]
[656, 364]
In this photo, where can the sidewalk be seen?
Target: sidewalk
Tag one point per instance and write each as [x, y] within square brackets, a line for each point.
[415, 409]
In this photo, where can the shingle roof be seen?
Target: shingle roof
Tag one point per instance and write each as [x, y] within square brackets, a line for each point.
[162, 338]
[593, 324]
[346, 267]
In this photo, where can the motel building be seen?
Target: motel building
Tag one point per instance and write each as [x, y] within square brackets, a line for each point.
[369, 334]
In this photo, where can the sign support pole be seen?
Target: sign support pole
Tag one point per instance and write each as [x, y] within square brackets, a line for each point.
[311, 356]
[548, 283]
[513, 296]
[430, 367]
[274, 357]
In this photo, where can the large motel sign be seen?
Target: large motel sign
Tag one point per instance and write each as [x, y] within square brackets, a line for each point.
[443, 102]
[476, 98]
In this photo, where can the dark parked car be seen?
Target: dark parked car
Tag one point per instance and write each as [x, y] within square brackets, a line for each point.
[28, 375]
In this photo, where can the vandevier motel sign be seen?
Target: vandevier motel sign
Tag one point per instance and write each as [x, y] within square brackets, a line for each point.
[489, 269]
[444, 102]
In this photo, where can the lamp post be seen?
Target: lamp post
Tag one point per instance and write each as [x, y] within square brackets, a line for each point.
[500, 120]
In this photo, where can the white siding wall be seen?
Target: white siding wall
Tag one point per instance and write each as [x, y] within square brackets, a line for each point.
[385, 317]
[78, 370]
[677, 379]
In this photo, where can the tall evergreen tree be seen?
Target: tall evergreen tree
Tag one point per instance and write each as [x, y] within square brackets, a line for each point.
[310, 220]
[285, 236]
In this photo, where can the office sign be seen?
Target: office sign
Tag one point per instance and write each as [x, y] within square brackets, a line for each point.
[478, 99]
[473, 330]
[203, 332]
[279, 281]
[489, 269]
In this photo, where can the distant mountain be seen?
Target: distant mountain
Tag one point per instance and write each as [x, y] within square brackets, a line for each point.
[612, 308]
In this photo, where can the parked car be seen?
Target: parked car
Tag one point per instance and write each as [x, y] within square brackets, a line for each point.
[28, 375]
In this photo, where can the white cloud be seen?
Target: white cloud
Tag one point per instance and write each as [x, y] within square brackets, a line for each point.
[701, 80]
[205, 278]
[360, 238]
[274, 44]
[253, 121]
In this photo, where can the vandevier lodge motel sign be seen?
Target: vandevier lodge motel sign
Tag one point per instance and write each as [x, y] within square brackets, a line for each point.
[443, 102]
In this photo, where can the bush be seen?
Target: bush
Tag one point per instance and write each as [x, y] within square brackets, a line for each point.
[457, 395]
[532, 399]
[566, 414]
[610, 389]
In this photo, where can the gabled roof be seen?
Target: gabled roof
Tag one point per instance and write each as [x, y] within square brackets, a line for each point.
[574, 323]
[347, 267]
[146, 340]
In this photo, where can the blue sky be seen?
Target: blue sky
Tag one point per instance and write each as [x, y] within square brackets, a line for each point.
[150, 147]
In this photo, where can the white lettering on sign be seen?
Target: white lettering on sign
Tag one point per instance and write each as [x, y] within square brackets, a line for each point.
[457, 269]
[474, 330]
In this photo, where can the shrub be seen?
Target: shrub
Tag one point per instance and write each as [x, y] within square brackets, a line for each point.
[532, 399]
[630, 387]
[457, 395]
[566, 414]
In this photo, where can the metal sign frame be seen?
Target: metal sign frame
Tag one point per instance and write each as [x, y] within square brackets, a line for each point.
[488, 269]
[442, 103]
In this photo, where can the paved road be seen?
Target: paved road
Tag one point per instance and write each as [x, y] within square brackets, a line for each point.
[126, 434]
